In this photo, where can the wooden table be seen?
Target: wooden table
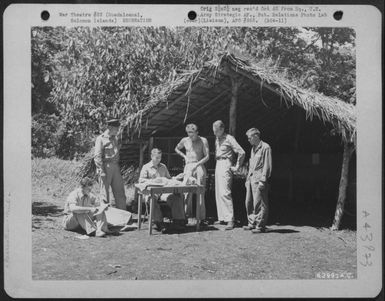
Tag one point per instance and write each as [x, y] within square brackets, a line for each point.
[152, 191]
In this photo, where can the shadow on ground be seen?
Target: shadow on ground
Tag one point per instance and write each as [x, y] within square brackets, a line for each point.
[192, 228]
[282, 231]
[46, 209]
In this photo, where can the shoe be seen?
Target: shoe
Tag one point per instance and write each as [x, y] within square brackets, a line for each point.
[100, 234]
[249, 227]
[259, 230]
[204, 223]
[220, 223]
[230, 226]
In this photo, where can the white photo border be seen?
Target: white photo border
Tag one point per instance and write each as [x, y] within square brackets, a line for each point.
[20, 18]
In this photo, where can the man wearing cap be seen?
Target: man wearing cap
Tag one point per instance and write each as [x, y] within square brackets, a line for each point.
[225, 149]
[197, 154]
[260, 166]
[107, 147]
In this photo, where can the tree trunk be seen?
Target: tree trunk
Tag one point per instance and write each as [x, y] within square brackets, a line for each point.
[348, 151]
[235, 83]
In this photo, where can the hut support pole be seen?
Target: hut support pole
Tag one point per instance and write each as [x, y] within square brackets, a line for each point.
[142, 148]
[294, 153]
[150, 145]
[235, 83]
[348, 151]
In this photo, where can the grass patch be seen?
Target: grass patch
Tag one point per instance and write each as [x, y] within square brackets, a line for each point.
[53, 179]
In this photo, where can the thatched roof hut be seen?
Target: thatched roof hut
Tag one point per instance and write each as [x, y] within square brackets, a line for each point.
[312, 135]
[301, 125]
[204, 95]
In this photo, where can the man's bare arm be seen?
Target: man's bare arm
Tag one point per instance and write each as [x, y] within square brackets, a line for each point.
[178, 148]
[206, 152]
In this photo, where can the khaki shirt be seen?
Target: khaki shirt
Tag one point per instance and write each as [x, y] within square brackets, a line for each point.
[226, 146]
[149, 171]
[77, 198]
[260, 163]
[106, 150]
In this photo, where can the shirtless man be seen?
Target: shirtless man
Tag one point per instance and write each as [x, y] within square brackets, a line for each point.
[197, 154]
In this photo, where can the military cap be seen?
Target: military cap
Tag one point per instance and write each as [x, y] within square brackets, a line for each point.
[113, 122]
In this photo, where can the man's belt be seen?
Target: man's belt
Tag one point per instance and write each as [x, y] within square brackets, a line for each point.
[222, 158]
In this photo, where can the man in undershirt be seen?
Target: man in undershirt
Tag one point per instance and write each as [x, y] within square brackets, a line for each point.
[197, 154]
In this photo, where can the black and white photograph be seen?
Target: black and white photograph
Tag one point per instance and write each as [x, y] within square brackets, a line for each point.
[258, 124]
[192, 150]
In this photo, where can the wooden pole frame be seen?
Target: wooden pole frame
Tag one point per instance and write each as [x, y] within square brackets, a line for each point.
[294, 154]
[348, 151]
[142, 148]
[236, 82]
[150, 145]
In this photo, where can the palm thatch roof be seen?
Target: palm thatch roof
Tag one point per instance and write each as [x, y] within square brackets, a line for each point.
[328, 109]
[204, 94]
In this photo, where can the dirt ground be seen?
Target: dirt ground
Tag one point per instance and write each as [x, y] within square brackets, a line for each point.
[284, 252]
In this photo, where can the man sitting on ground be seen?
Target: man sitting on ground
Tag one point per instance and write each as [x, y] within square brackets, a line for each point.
[82, 211]
[156, 172]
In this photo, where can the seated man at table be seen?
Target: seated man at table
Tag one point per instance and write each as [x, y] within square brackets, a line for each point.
[152, 172]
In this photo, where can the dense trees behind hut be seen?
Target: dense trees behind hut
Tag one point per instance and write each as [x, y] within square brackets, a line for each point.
[81, 76]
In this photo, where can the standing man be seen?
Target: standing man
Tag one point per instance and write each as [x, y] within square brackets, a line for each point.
[260, 166]
[225, 148]
[197, 154]
[153, 171]
[107, 147]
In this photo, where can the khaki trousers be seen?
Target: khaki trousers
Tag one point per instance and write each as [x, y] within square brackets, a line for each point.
[86, 221]
[200, 174]
[223, 183]
[257, 203]
[115, 180]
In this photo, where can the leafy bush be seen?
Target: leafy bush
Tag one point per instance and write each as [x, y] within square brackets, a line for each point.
[44, 140]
